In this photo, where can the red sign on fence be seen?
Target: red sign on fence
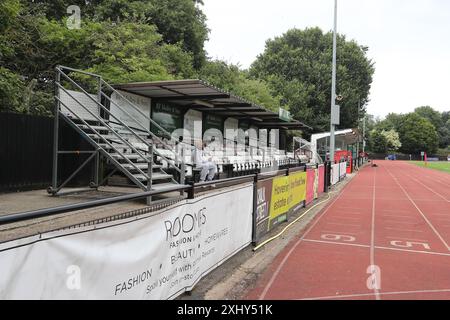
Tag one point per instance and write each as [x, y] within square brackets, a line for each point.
[321, 188]
[310, 177]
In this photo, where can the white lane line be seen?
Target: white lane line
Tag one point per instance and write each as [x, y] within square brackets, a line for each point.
[420, 211]
[428, 200]
[352, 209]
[283, 262]
[351, 213]
[407, 239]
[415, 251]
[382, 293]
[372, 240]
[344, 233]
[338, 243]
[403, 230]
[345, 224]
[435, 178]
[436, 193]
[339, 217]
[378, 247]
[401, 222]
[394, 211]
[402, 216]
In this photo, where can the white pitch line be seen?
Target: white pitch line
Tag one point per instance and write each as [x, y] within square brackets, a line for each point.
[372, 237]
[283, 262]
[420, 211]
[345, 224]
[396, 211]
[407, 239]
[390, 216]
[338, 243]
[341, 233]
[438, 194]
[381, 293]
[400, 222]
[415, 251]
[440, 214]
[403, 230]
[378, 247]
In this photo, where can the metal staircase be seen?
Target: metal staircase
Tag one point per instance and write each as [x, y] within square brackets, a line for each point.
[128, 148]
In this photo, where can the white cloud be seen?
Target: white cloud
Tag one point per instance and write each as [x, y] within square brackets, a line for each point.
[408, 40]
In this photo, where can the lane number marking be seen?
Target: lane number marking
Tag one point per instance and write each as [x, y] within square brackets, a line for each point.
[338, 237]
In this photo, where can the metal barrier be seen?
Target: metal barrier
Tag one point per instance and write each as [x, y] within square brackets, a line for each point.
[192, 190]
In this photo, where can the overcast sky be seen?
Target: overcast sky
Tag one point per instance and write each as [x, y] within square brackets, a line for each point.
[409, 41]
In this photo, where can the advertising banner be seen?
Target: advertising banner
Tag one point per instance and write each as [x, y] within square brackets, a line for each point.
[335, 174]
[310, 182]
[321, 186]
[157, 255]
[263, 197]
[70, 98]
[342, 170]
[277, 197]
[131, 115]
[316, 183]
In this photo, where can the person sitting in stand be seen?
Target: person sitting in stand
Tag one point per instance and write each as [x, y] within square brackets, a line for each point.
[204, 162]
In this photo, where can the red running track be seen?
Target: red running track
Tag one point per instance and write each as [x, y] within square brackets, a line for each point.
[385, 236]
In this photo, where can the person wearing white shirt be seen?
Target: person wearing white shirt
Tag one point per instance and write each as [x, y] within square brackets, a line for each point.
[204, 162]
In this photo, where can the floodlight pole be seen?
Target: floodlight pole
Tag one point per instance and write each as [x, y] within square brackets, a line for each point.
[333, 87]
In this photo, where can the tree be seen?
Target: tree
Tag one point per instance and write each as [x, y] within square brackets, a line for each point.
[392, 140]
[382, 141]
[418, 134]
[11, 84]
[297, 66]
[230, 78]
[440, 122]
[393, 121]
[444, 130]
[178, 21]
[120, 52]
[377, 142]
[11, 88]
[431, 115]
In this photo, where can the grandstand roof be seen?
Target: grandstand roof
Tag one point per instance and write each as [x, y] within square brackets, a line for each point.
[198, 94]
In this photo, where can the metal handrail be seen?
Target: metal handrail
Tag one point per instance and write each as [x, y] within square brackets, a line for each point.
[21, 216]
[59, 68]
[103, 123]
[145, 130]
[79, 71]
[15, 217]
[99, 104]
[92, 129]
[123, 97]
[168, 147]
[138, 110]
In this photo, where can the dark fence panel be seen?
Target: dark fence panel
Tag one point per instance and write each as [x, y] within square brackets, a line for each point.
[25, 151]
[405, 157]
[26, 144]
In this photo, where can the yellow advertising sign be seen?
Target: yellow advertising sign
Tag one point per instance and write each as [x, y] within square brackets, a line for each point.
[298, 188]
[287, 192]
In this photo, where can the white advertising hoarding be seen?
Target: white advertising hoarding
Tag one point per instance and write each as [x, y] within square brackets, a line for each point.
[153, 256]
[79, 103]
[343, 170]
[133, 117]
[334, 173]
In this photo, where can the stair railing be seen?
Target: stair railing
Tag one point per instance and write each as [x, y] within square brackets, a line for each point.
[101, 93]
